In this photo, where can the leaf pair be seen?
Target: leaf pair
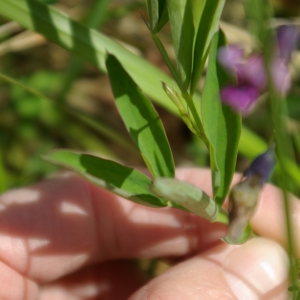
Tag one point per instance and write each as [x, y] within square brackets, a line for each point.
[146, 130]
[192, 31]
[219, 127]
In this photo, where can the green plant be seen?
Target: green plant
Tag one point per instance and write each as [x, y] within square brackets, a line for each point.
[195, 37]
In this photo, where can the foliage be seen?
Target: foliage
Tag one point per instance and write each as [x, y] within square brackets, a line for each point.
[134, 81]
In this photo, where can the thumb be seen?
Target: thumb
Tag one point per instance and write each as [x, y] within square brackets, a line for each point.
[255, 270]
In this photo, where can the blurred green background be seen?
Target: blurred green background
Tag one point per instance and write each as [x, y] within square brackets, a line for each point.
[31, 126]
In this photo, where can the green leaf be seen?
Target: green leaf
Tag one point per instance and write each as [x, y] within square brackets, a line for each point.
[221, 125]
[186, 195]
[123, 181]
[4, 178]
[259, 15]
[158, 14]
[163, 16]
[207, 26]
[86, 43]
[251, 145]
[92, 46]
[141, 120]
[166, 58]
[182, 26]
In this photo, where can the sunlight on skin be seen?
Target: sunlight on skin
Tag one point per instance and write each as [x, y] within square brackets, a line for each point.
[269, 217]
[15, 286]
[246, 271]
[36, 233]
[71, 208]
[58, 264]
[137, 214]
[35, 244]
[46, 243]
[87, 291]
[13, 252]
[18, 197]
[225, 272]
[169, 234]
[31, 260]
[271, 213]
[180, 243]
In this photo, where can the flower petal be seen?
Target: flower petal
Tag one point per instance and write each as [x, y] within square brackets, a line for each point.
[240, 98]
[280, 76]
[288, 38]
[253, 73]
[262, 166]
[229, 57]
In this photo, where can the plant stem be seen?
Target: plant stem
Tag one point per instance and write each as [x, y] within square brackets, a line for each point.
[281, 136]
[195, 117]
[167, 59]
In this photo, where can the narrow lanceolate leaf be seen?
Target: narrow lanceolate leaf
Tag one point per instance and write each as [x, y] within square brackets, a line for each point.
[186, 195]
[163, 16]
[91, 45]
[141, 120]
[153, 13]
[158, 14]
[207, 26]
[123, 181]
[221, 125]
[87, 43]
[182, 26]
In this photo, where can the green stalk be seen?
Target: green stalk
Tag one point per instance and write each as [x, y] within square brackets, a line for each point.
[166, 57]
[3, 175]
[195, 117]
[280, 131]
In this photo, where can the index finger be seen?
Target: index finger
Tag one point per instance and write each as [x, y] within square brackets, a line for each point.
[269, 219]
[62, 224]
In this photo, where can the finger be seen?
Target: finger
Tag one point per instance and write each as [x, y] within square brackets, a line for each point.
[66, 223]
[269, 219]
[55, 227]
[14, 286]
[110, 280]
[255, 270]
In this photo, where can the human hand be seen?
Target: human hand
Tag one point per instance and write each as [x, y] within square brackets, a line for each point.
[65, 239]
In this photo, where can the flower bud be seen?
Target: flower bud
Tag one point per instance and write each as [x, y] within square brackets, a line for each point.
[288, 39]
[262, 166]
[243, 197]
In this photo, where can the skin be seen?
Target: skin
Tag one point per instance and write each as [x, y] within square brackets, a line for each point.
[66, 239]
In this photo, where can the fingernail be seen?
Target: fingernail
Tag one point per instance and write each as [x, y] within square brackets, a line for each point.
[258, 270]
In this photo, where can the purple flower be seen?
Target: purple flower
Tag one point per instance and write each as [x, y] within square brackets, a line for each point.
[250, 73]
[241, 97]
[287, 39]
[262, 167]
[244, 196]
